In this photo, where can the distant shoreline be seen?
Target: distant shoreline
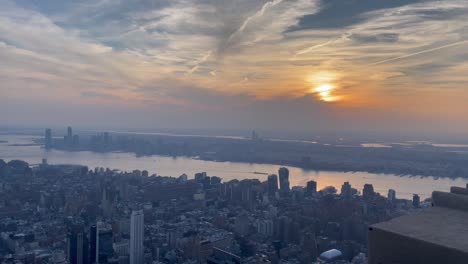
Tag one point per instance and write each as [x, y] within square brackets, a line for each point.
[414, 161]
[436, 177]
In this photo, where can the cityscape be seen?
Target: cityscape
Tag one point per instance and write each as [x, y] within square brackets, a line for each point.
[233, 132]
[74, 214]
[59, 213]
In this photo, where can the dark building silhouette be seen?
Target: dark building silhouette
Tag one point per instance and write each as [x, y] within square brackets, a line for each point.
[69, 132]
[68, 138]
[346, 191]
[48, 138]
[416, 200]
[77, 246]
[200, 177]
[311, 187]
[272, 184]
[391, 195]
[92, 244]
[368, 191]
[104, 243]
[284, 180]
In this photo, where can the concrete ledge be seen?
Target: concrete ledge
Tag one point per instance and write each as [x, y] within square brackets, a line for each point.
[386, 247]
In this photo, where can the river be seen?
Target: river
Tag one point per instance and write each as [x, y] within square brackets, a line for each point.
[16, 147]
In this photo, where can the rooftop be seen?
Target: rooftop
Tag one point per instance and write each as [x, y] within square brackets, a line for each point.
[437, 225]
[432, 235]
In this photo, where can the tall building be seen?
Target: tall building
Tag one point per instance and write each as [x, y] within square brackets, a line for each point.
[136, 237]
[77, 246]
[368, 191]
[284, 180]
[48, 138]
[309, 247]
[416, 200]
[272, 184]
[346, 190]
[107, 202]
[69, 133]
[311, 187]
[104, 242]
[200, 177]
[93, 244]
[68, 139]
[391, 195]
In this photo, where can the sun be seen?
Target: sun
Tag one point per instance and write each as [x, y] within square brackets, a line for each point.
[323, 84]
[324, 91]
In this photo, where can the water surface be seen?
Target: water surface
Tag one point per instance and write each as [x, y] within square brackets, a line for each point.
[405, 186]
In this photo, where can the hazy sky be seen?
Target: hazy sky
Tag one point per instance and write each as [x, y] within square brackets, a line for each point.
[361, 65]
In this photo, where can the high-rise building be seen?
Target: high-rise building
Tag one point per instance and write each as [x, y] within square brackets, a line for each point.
[391, 195]
[104, 242]
[272, 184]
[200, 177]
[69, 133]
[368, 191]
[107, 202]
[346, 191]
[311, 187]
[93, 244]
[309, 247]
[48, 138]
[416, 200]
[136, 237]
[77, 246]
[68, 139]
[284, 180]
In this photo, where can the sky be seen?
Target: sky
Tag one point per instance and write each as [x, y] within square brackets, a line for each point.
[396, 66]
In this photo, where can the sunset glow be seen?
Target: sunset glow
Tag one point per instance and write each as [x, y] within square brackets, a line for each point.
[366, 57]
[324, 92]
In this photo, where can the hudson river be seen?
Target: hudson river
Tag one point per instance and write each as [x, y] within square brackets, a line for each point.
[22, 147]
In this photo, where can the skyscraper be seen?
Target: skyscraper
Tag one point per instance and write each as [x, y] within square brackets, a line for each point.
[77, 246]
[48, 138]
[272, 184]
[136, 237]
[93, 244]
[284, 180]
[368, 191]
[416, 200]
[346, 190]
[391, 195]
[69, 138]
[69, 133]
[311, 187]
[103, 242]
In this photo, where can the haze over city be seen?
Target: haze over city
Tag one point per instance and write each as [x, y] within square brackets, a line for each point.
[303, 65]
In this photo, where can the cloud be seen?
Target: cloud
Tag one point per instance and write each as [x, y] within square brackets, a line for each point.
[420, 52]
[187, 54]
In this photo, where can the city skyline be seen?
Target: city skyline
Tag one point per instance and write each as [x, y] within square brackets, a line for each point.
[303, 65]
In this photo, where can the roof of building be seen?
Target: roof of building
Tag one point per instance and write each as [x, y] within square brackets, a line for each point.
[331, 254]
[444, 224]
